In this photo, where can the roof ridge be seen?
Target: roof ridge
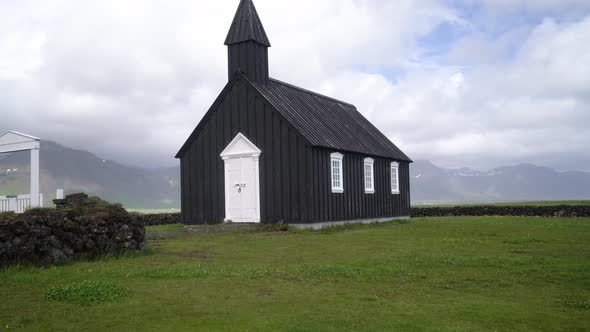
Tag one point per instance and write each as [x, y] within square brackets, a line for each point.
[311, 92]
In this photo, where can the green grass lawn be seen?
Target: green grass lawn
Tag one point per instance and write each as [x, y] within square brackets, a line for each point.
[164, 227]
[432, 274]
[530, 203]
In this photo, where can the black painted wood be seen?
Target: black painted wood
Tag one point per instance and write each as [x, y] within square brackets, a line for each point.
[354, 203]
[296, 130]
[248, 44]
[328, 122]
[295, 179]
[244, 110]
[246, 26]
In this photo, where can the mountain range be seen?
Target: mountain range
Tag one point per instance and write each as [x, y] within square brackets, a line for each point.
[142, 188]
[82, 171]
[524, 182]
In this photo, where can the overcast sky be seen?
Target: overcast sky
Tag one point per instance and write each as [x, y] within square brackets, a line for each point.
[462, 83]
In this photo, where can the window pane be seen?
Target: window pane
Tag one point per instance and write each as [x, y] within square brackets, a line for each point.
[394, 179]
[368, 176]
[336, 174]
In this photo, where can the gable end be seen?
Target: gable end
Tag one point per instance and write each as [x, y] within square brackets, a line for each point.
[238, 76]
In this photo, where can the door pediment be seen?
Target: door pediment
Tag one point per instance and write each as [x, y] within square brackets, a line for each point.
[240, 146]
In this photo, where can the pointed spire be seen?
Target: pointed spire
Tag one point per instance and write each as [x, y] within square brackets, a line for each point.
[247, 26]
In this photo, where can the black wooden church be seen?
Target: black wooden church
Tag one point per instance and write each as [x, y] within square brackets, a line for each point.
[268, 150]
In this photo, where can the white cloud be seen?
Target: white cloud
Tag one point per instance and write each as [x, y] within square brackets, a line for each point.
[130, 80]
[533, 108]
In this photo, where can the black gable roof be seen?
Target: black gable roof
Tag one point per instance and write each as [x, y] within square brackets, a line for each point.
[246, 26]
[327, 122]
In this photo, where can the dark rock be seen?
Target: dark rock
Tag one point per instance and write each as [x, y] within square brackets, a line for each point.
[70, 201]
[524, 211]
[90, 244]
[157, 219]
[44, 231]
[81, 226]
[57, 256]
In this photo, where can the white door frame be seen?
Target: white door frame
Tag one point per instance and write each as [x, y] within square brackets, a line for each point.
[241, 147]
[13, 141]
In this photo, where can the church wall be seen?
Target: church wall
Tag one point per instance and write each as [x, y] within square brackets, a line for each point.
[284, 162]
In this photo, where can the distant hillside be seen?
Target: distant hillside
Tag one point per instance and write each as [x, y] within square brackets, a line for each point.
[139, 188]
[75, 171]
[432, 184]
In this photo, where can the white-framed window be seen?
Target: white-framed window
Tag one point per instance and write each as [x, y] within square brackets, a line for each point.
[337, 171]
[369, 176]
[395, 178]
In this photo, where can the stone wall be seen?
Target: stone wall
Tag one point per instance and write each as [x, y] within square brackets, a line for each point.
[157, 219]
[82, 227]
[532, 211]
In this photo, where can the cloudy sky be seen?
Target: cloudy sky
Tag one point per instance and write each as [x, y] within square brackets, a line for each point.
[462, 83]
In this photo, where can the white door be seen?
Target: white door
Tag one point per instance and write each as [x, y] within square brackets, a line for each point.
[242, 187]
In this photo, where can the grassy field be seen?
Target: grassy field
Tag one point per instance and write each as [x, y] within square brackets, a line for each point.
[530, 203]
[434, 274]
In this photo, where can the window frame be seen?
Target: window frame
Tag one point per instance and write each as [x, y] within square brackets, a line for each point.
[369, 162]
[339, 158]
[394, 190]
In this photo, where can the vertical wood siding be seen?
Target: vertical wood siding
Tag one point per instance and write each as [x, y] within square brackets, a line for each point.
[251, 58]
[283, 167]
[354, 203]
[295, 179]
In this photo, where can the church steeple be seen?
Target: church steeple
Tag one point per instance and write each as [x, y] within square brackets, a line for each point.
[248, 44]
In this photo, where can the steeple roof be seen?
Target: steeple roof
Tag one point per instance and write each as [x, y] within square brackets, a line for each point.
[247, 26]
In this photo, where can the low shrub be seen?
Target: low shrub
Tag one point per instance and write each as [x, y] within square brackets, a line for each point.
[39, 212]
[6, 217]
[279, 226]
